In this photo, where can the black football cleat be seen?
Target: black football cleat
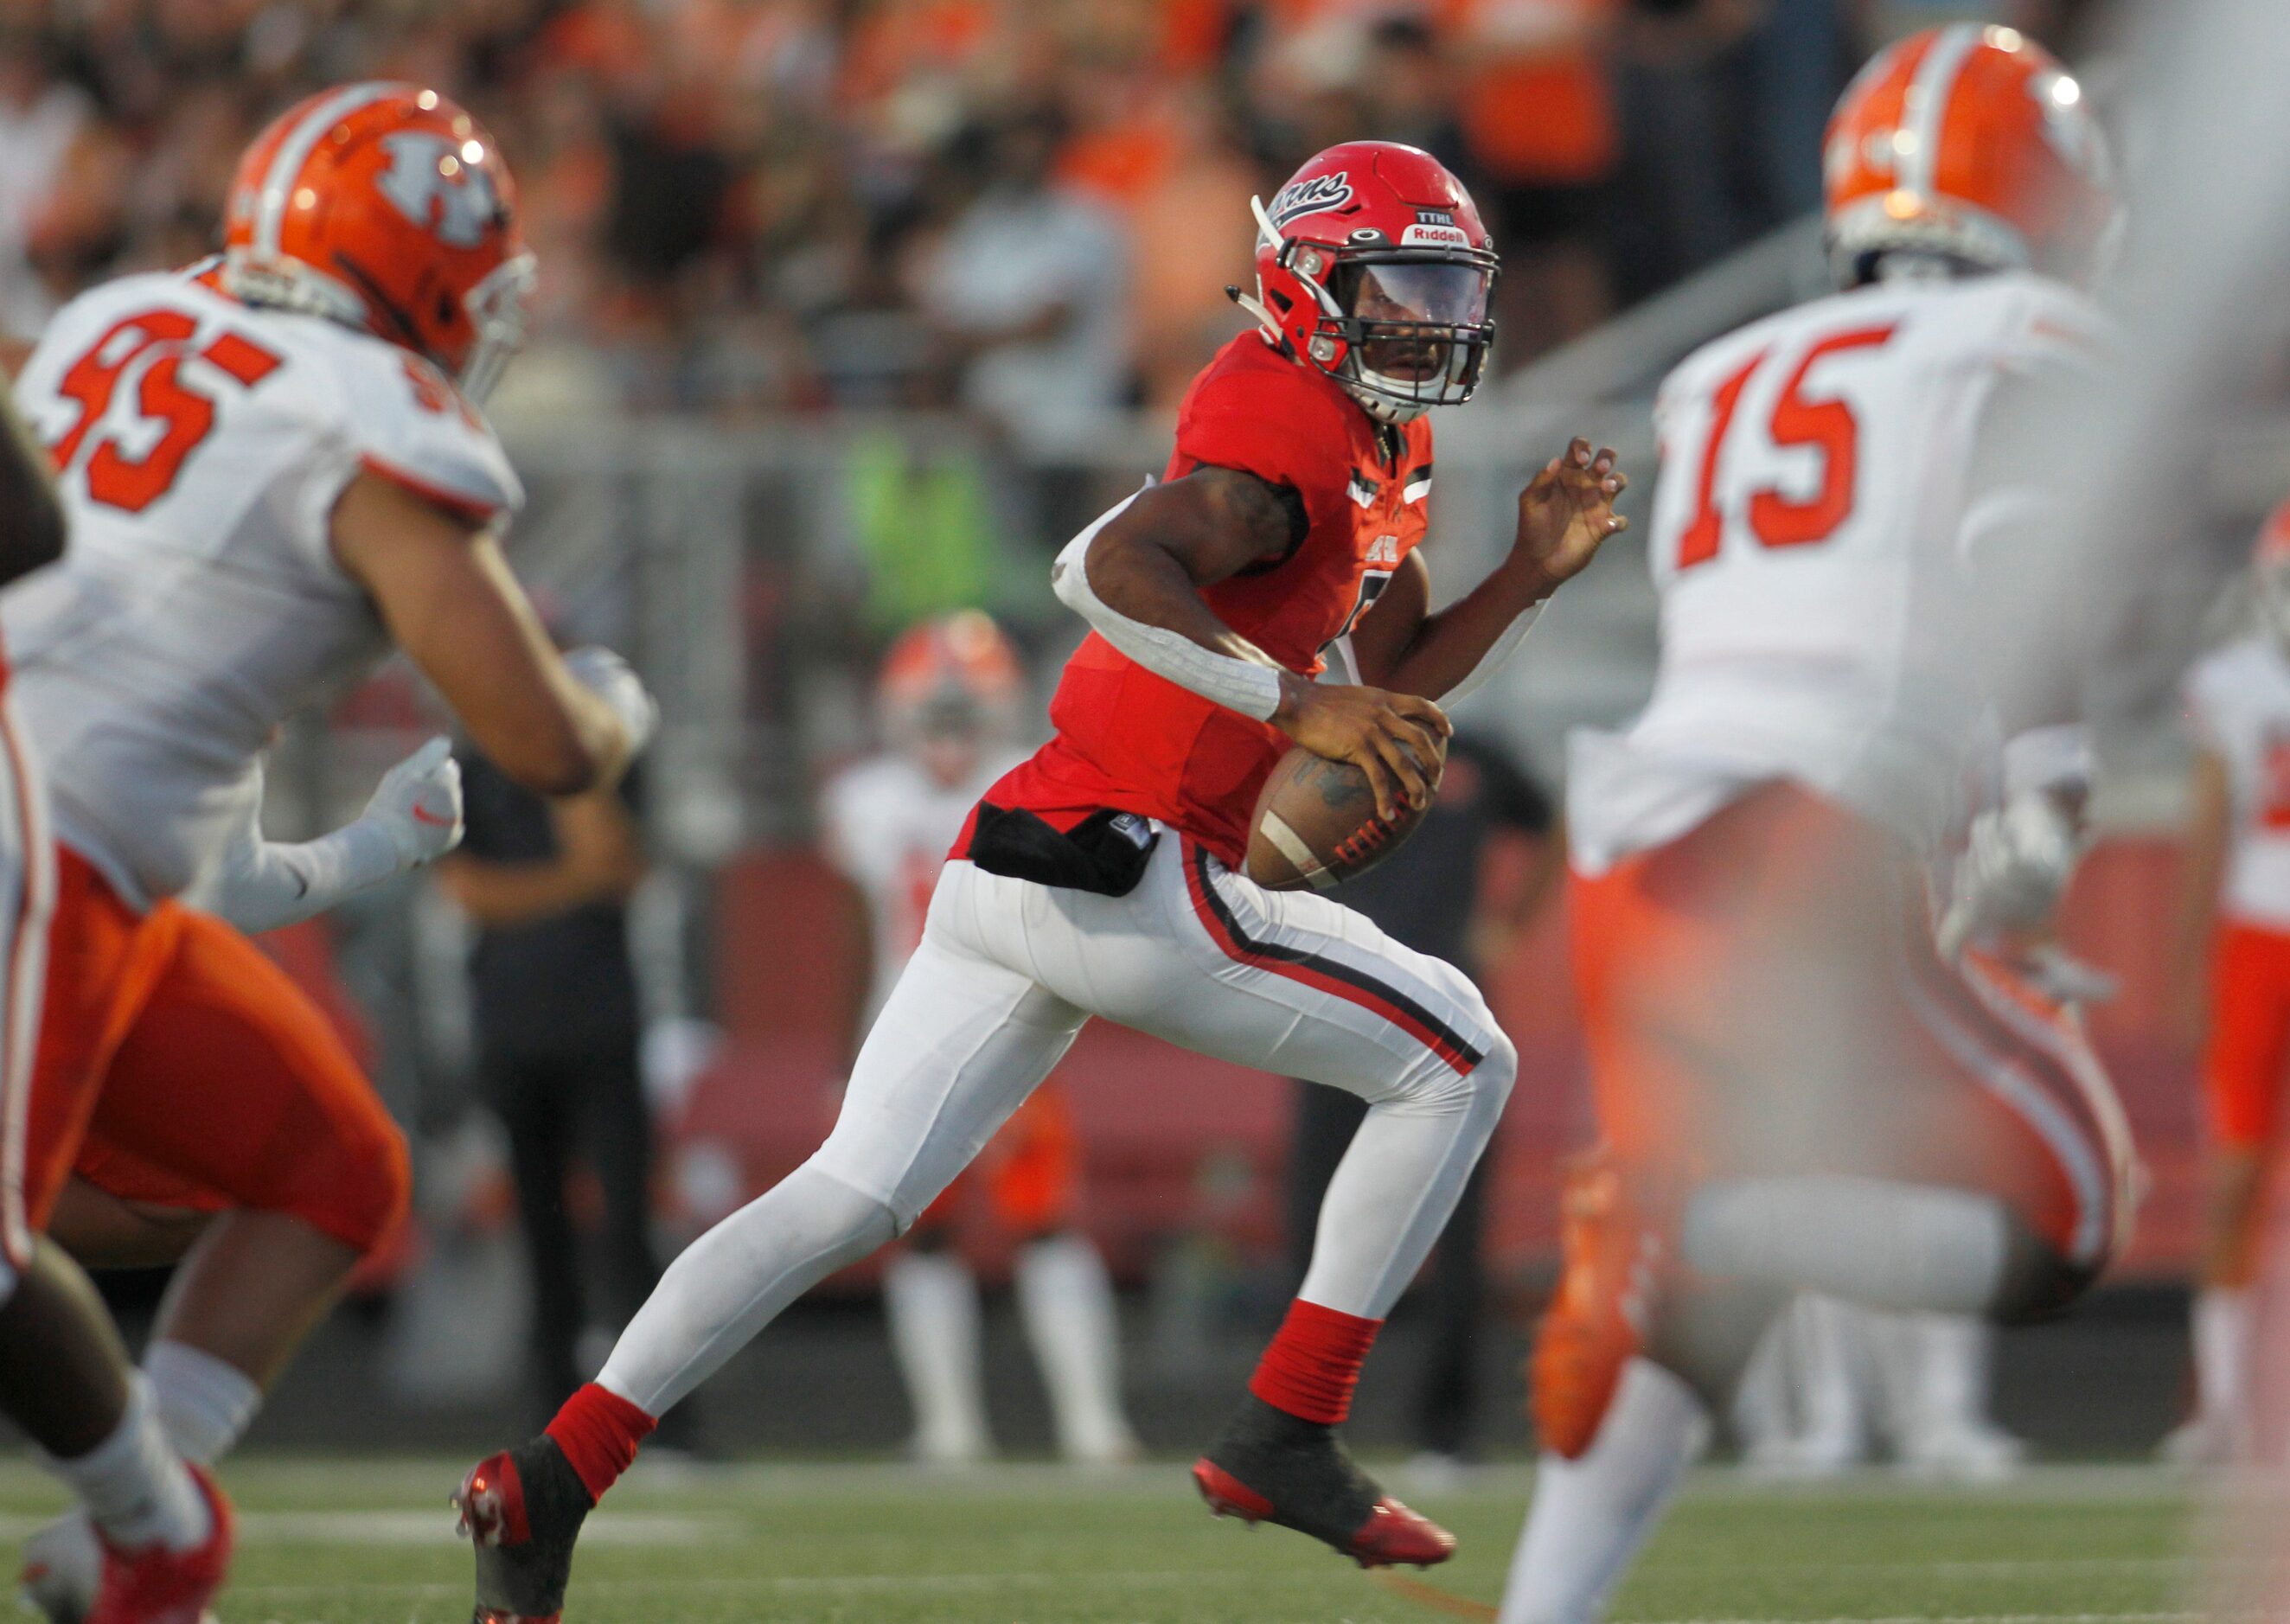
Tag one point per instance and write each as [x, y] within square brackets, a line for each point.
[1271, 1466]
[521, 1509]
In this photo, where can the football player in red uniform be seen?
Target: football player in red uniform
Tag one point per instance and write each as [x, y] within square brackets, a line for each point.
[1102, 877]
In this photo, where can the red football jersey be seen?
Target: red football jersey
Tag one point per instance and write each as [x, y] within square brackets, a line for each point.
[1134, 742]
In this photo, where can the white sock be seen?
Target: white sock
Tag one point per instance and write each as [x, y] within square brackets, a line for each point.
[1825, 1331]
[2222, 1329]
[1590, 1516]
[1953, 1351]
[1884, 1244]
[1067, 1301]
[135, 1487]
[205, 1404]
[932, 1300]
[1763, 1414]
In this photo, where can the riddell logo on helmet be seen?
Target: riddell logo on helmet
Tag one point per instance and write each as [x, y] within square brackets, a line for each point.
[1316, 196]
[1435, 237]
[456, 205]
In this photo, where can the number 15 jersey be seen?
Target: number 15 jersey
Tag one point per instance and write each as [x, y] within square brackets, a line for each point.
[1811, 544]
[201, 445]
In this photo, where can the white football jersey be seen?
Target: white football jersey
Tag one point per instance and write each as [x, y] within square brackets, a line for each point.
[887, 825]
[2239, 700]
[201, 446]
[1808, 543]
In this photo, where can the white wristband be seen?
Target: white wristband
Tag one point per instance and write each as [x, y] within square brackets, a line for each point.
[1500, 650]
[1237, 685]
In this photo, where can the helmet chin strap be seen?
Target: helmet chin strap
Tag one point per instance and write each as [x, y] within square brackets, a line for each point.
[1382, 408]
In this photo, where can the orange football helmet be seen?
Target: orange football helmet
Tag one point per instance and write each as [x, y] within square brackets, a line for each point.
[954, 673]
[1970, 143]
[387, 208]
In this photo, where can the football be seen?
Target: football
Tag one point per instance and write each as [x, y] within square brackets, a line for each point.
[1316, 824]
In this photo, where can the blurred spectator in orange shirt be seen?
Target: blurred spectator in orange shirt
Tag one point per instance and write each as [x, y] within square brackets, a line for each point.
[1538, 123]
[1193, 237]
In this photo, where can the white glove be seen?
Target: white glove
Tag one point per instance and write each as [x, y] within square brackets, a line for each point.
[413, 818]
[613, 680]
[418, 804]
[2015, 864]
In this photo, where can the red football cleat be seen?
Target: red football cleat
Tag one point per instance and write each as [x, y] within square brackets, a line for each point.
[1270, 1467]
[1597, 1321]
[521, 1509]
[152, 1585]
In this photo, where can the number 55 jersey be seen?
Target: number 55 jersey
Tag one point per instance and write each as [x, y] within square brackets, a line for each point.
[1815, 540]
[201, 445]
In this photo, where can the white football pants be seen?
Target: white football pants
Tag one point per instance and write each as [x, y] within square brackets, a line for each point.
[1007, 974]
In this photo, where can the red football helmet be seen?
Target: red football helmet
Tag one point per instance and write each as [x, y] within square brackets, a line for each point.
[1372, 266]
[386, 208]
[1972, 144]
[952, 675]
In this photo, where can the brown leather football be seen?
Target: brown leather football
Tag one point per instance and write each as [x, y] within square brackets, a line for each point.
[1315, 826]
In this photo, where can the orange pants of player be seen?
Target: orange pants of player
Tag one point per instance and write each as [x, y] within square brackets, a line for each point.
[2250, 1034]
[179, 1066]
[1761, 996]
[1031, 1171]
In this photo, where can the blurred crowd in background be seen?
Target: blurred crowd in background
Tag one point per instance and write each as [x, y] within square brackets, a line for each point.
[1027, 207]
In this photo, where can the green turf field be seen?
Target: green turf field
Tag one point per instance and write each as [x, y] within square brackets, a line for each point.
[351, 1542]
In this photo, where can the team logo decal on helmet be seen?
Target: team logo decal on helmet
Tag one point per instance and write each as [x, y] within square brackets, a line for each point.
[427, 179]
[1299, 199]
[1372, 266]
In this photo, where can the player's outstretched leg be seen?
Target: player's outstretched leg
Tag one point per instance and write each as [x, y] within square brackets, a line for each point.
[959, 1044]
[522, 1508]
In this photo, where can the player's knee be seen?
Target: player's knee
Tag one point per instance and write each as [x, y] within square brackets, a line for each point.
[1495, 1074]
[833, 1215]
[1480, 1091]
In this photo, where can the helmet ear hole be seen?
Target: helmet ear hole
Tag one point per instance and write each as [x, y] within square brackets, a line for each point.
[444, 307]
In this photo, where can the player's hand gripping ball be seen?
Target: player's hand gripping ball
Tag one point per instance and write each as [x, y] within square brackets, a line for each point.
[1316, 824]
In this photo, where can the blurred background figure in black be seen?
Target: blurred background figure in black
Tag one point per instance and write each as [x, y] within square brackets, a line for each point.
[558, 1025]
[1432, 895]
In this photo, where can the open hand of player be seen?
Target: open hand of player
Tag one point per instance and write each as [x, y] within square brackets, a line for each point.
[1566, 513]
[1393, 738]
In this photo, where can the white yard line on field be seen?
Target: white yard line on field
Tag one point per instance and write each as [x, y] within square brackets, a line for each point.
[830, 1583]
[414, 1528]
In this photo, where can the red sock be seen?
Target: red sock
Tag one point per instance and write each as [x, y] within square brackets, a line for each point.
[1314, 1363]
[598, 1432]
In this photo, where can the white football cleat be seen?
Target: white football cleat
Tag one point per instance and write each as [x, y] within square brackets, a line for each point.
[2207, 1439]
[1976, 1452]
[63, 1565]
